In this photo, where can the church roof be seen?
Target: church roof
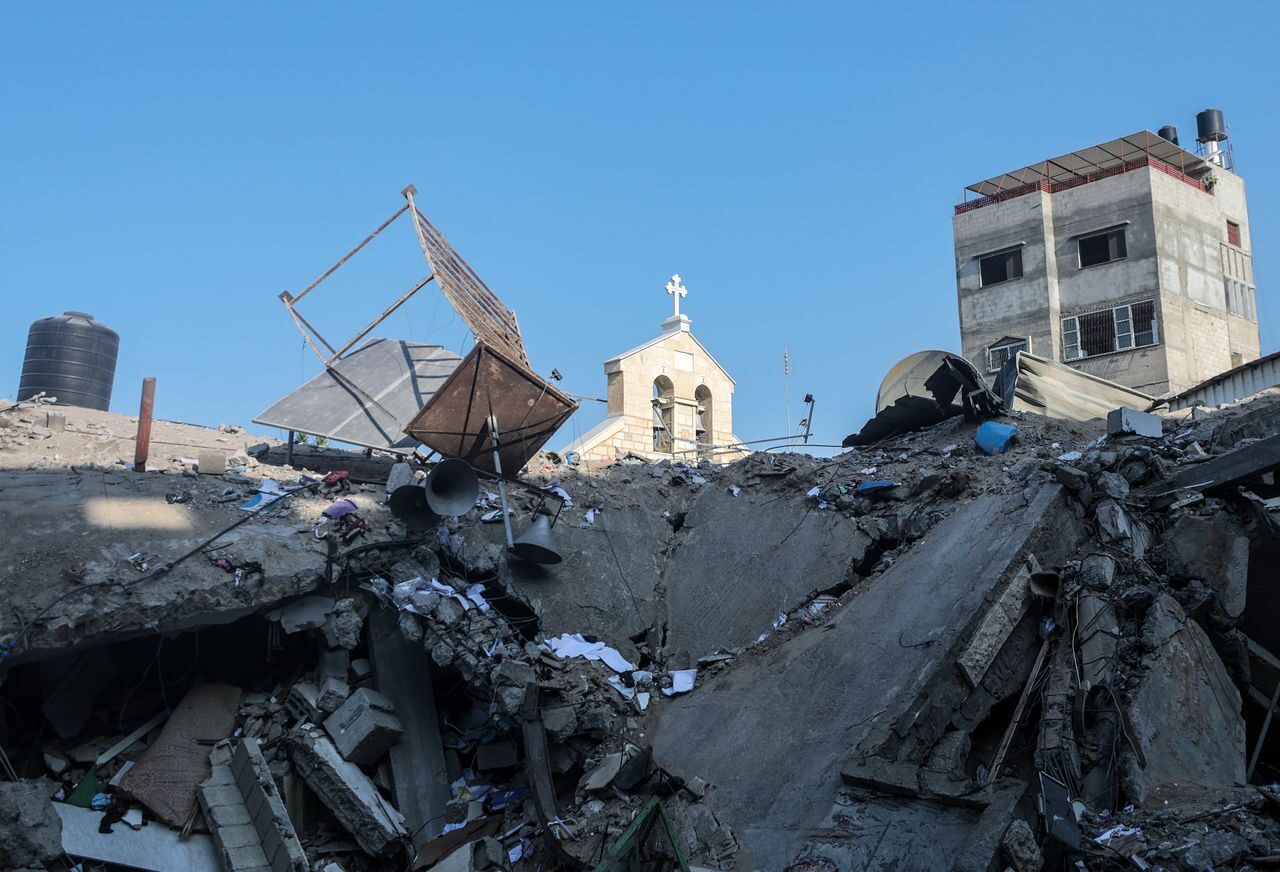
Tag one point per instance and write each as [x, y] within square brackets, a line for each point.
[662, 338]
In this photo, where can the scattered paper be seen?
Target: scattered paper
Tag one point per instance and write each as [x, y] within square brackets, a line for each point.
[781, 619]
[590, 516]
[734, 489]
[681, 682]
[616, 683]
[567, 646]
[475, 593]
[814, 491]
[1116, 832]
[494, 516]
[870, 470]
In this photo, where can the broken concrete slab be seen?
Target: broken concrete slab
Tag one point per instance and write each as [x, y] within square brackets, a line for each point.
[1213, 549]
[731, 577]
[307, 613]
[788, 701]
[608, 577]
[353, 798]
[1185, 714]
[167, 775]
[364, 727]
[153, 848]
[30, 831]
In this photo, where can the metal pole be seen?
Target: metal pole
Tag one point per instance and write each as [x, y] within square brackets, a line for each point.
[1262, 736]
[502, 484]
[143, 441]
[289, 456]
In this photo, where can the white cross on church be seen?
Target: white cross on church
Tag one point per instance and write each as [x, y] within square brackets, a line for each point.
[676, 289]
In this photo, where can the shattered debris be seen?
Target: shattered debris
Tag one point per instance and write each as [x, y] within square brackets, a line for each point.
[865, 661]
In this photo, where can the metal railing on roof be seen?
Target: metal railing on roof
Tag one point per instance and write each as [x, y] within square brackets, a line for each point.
[1053, 187]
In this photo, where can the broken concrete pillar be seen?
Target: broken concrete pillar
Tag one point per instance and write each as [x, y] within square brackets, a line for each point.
[419, 775]
[247, 815]
[1185, 713]
[364, 726]
[1122, 421]
[347, 792]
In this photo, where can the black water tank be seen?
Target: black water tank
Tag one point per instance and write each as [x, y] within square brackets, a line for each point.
[1210, 126]
[71, 357]
[1168, 132]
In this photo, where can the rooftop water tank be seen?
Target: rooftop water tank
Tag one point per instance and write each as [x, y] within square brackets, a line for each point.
[71, 357]
[1168, 132]
[1210, 127]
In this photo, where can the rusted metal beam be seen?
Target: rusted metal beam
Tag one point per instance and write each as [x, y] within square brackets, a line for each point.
[331, 270]
[143, 442]
[376, 321]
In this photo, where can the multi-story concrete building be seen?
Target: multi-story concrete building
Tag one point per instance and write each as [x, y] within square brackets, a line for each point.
[1130, 260]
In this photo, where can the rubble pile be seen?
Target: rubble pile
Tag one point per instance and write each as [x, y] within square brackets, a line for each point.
[1046, 646]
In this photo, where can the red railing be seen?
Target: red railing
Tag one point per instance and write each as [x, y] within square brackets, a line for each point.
[1054, 187]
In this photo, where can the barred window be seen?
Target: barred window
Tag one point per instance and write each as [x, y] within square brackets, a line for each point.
[998, 355]
[1123, 328]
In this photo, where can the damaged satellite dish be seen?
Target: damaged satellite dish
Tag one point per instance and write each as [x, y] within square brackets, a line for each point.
[922, 389]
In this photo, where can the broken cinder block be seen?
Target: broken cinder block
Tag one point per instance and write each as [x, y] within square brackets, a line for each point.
[246, 813]
[364, 727]
[1124, 420]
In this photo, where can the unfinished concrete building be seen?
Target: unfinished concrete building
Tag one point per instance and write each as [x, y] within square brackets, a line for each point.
[667, 398]
[1130, 260]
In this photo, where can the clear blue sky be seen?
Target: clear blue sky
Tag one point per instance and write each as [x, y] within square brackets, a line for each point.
[172, 170]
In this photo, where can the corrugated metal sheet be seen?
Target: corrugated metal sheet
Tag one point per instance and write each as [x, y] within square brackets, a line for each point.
[1060, 391]
[1234, 384]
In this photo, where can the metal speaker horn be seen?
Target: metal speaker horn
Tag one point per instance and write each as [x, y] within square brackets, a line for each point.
[452, 488]
[537, 545]
[409, 505]
[1046, 584]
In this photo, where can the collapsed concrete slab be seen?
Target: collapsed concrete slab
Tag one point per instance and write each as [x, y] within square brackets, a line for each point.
[731, 576]
[873, 671]
[1186, 713]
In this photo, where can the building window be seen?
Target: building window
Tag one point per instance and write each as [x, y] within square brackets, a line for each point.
[998, 355]
[1000, 267]
[1240, 299]
[1120, 329]
[1233, 234]
[1101, 247]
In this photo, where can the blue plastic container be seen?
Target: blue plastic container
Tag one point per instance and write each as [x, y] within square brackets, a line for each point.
[995, 438]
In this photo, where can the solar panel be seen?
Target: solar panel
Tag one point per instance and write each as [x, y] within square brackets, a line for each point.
[368, 397]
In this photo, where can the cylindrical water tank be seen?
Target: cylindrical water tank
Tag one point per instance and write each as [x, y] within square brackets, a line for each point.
[1210, 127]
[1168, 132]
[71, 357]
